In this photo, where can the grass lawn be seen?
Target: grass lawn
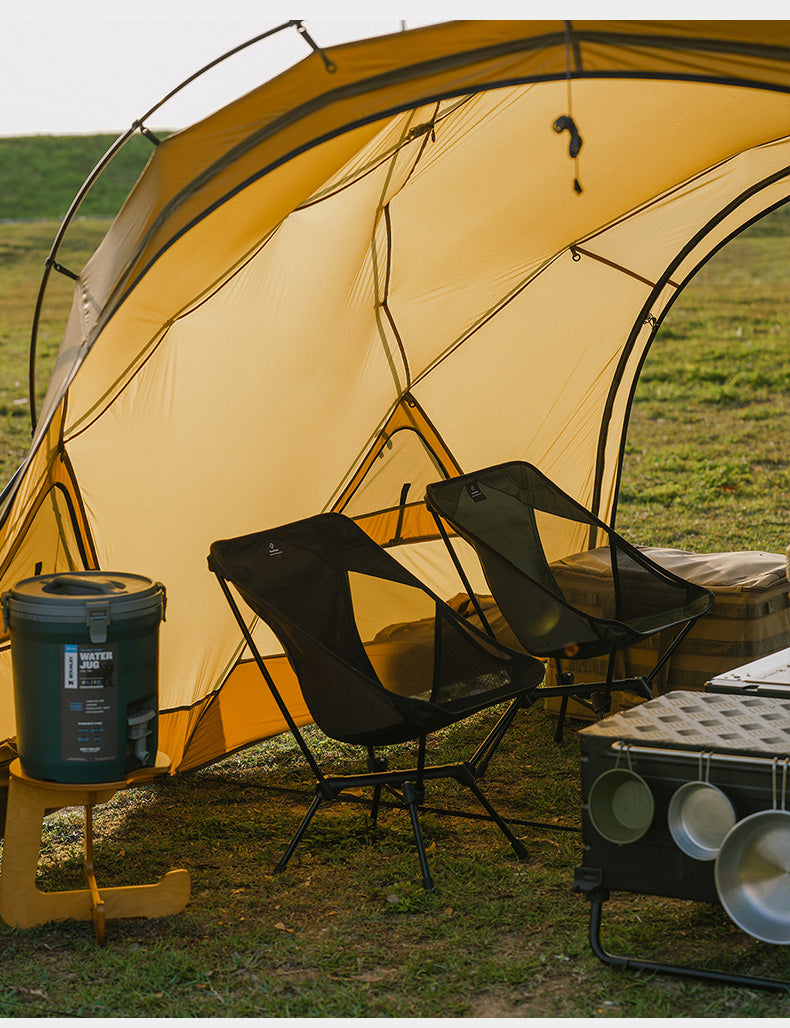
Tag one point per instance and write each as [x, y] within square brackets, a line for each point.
[707, 461]
[347, 930]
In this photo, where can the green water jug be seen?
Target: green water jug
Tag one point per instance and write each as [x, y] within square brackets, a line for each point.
[85, 656]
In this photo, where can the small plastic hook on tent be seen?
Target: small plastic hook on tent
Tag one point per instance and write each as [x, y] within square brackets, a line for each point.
[63, 271]
[328, 64]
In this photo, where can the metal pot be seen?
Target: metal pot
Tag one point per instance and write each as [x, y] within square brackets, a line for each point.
[620, 804]
[699, 816]
[752, 872]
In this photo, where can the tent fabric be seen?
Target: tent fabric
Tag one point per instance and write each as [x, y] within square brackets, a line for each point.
[350, 283]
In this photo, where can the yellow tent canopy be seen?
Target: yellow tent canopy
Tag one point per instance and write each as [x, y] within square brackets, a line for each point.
[385, 266]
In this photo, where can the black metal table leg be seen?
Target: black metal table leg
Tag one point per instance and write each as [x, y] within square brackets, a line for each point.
[621, 963]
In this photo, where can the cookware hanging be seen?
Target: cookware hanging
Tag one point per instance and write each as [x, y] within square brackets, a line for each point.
[752, 870]
[620, 804]
[700, 815]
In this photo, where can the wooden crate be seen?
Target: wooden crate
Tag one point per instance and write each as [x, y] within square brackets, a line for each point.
[750, 619]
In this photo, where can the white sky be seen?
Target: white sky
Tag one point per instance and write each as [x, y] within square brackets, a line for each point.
[71, 66]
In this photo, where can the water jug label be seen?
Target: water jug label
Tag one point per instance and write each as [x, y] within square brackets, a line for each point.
[89, 705]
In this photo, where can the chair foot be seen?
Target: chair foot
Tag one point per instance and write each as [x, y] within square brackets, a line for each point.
[521, 851]
[412, 797]
[283, 861]
[516, 844]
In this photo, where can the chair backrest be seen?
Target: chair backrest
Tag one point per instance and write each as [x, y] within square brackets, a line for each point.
[334, 599]
[582, 599]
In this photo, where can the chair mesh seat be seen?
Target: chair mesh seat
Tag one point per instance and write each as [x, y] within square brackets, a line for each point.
[567, 585]
[311, 580]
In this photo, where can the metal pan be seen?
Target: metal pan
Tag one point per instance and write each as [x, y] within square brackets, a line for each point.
[752, 872]
[699, 817]
[621, 805]
[753, 875]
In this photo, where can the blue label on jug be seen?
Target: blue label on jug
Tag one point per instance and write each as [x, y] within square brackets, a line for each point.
[70, 658]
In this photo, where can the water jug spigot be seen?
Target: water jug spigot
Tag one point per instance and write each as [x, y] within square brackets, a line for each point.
[137, 731]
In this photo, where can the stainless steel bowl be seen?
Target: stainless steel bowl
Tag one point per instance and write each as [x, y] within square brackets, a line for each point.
[752, 873]
[699, 817]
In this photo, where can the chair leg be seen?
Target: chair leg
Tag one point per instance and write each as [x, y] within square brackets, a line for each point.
[374, 807]
[561, 719]
[518, 846]
[280, 866]
[410, 795]
[485, 751]
[376, 764]
[602, 701]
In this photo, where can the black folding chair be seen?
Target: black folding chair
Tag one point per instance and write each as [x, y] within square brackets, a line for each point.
[566, 584]
[380, 659]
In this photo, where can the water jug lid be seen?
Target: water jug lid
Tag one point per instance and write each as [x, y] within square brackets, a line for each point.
[63, 595]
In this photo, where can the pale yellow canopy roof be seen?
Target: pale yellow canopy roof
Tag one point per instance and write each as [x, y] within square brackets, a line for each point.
[353, 280]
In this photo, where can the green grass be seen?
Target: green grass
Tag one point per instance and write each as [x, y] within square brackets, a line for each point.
[41, 175]
[707, 465]
[347, 930]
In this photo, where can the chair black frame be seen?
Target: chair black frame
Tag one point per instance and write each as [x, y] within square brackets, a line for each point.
[345, 547]
[611, 634]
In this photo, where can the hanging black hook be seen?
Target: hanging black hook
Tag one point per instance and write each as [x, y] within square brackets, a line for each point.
[149, 135]
[566, 122]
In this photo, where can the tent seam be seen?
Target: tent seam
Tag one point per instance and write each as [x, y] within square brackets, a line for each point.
[359, 123]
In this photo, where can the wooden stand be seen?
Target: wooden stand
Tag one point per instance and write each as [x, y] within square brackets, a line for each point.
[23, 905]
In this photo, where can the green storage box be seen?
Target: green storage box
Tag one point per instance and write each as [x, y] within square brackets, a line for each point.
[85, 655]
